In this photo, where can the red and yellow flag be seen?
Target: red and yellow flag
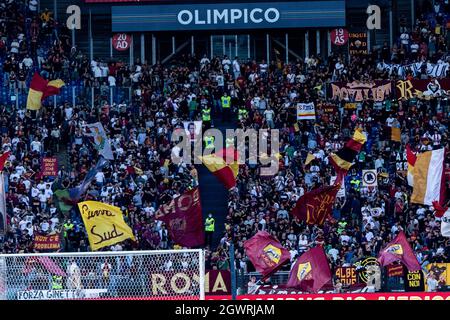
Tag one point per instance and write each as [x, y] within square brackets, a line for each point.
[41, 89]
[220, 166]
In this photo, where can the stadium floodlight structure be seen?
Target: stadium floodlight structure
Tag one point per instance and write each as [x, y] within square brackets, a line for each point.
[128, 275]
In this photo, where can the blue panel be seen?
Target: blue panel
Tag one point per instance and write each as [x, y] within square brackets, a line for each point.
[223, 16]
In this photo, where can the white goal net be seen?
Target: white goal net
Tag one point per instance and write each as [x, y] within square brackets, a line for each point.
[165, 274]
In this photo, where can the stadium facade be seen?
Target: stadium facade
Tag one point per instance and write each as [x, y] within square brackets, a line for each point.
[286, 30]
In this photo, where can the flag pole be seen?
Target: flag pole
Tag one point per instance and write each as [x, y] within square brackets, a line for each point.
[233, 272]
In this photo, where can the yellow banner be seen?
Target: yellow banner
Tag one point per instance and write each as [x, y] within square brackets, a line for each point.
[441, 272]
[104, 224]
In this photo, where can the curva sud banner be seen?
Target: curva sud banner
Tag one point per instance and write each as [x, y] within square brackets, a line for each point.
[222, 16]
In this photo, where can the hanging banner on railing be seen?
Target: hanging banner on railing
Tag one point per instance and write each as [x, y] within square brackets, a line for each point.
[357, 43]
[358, 91]
[422, 88]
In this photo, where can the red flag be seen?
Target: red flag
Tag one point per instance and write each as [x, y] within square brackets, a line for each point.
[314, 206]
[3, 159]
[311, 271]
[183, 217]
[439, 209]
[399, 250]
[266, 253]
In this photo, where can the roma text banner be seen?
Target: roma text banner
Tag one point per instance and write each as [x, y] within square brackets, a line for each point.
[104, 224]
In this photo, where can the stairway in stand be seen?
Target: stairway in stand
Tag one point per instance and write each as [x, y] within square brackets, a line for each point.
[214, 196]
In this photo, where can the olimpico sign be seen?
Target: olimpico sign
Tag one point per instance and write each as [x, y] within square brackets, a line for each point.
[228, 16]
[232, 16]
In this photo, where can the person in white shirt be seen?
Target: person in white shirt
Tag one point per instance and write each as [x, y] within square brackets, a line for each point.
[45, 226]
[15, 46]
[333, 252]
[48, 191]
[36, 145]
[432, 283]
[100, 177]
[236, 68]
[389, 121]
[404, 39]
[379, 163]
[268, 115]
[111, 81]
[263, 68]
[204, 61]
[226, 63]
[27, 62]
[43, 199]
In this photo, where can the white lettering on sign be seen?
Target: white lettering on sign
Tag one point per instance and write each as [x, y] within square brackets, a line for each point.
[228, 16]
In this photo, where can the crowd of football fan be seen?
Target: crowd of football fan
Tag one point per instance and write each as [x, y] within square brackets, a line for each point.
[141, 177]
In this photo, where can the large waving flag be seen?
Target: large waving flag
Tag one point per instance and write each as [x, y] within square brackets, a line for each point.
[183, 217]
[311, 271]
[411, 159]
[315, 206]
[104, 224]
[41, 89]
[399, 250]
[342, 160]
[429, 178]
[90, 176]
[100, 140]
[220, 166]
[67, 198]
[266, 253]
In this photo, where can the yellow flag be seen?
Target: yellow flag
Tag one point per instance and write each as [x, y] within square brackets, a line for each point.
[309, 158]
[104, 224]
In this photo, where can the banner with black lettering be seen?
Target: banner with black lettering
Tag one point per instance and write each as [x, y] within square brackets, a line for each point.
[104, 224]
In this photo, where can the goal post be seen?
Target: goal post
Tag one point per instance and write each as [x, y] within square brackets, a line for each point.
[129, 275]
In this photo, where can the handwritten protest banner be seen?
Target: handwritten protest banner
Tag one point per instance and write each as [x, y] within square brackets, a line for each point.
[104, 224]
[49, 167]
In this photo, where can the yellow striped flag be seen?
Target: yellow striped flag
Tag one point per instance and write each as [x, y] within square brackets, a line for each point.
[429, 183]
[41, 89]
